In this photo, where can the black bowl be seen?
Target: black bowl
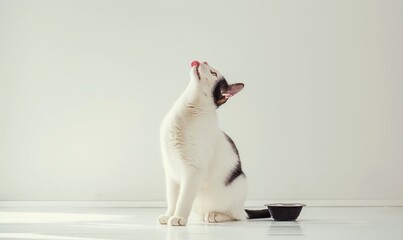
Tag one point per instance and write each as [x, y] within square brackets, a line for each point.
[285, 211]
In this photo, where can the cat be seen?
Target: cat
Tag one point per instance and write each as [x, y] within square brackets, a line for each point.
[203, 170]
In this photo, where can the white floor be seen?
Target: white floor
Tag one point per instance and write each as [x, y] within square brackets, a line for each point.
[140, 223]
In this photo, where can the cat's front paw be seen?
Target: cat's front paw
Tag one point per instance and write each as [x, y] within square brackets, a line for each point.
[163, 219]
[177, 221]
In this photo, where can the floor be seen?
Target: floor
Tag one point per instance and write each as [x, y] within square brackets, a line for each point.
[140, 223]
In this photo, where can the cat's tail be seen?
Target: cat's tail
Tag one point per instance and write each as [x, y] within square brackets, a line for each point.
[253, 214]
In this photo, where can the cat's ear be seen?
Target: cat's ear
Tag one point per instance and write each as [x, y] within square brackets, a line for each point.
[232, 90]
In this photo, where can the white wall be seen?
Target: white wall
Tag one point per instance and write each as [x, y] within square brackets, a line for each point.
[85, 84]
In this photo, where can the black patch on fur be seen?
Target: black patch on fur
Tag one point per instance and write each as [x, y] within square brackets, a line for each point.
[220, 86]
[232, 145]
[234, 174]
[237, 170]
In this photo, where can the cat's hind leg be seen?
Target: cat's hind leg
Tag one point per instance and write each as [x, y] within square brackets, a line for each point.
[172, 193]
[216, 217]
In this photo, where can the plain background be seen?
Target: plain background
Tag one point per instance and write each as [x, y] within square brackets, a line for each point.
[84, 86]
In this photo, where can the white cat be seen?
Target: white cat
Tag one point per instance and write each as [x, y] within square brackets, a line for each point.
[202, 165]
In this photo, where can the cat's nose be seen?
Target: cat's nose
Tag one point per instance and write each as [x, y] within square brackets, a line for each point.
[195, 63]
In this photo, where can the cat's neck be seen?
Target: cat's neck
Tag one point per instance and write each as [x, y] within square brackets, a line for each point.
[196, 105]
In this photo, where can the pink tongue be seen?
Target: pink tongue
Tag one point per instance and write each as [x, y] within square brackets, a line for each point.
[195, 63]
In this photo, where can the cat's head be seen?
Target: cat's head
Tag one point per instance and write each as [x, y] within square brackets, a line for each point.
[212, 83]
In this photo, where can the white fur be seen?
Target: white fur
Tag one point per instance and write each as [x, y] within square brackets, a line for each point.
[198, 158]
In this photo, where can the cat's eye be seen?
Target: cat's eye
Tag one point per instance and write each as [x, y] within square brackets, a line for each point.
[214, 73]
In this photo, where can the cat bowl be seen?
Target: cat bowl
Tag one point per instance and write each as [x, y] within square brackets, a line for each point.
[285, 211]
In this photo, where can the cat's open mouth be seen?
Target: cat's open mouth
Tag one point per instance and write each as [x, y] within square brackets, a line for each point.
[197, 72]
[196, 64]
